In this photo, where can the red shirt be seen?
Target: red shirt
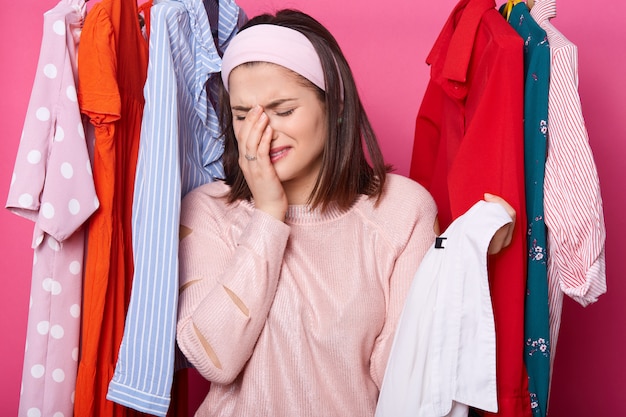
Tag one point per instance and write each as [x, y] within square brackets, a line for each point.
[468, 141]
[112, 68]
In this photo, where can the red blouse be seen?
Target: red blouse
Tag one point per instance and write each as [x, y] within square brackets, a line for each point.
[468, 141]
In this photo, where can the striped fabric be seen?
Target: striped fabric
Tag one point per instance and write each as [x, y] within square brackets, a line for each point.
[572, 200]
[179, 150]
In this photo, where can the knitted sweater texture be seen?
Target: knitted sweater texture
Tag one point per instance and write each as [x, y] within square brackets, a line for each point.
[297, 318]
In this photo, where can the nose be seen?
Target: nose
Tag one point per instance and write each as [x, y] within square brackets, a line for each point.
[272, 126]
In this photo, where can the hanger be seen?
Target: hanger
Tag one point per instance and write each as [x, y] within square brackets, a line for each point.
[508, 7]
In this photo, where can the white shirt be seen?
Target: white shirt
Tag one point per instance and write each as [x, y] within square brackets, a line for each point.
[443, 358]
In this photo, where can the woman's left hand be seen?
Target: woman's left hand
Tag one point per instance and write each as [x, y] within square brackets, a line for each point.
[503, 237]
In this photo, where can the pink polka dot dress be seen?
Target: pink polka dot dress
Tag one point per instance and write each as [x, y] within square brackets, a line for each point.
[52, 185]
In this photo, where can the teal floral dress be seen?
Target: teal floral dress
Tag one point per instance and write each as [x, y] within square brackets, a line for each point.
[536, 320]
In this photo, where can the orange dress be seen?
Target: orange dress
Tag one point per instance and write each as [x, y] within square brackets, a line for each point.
[112, 69]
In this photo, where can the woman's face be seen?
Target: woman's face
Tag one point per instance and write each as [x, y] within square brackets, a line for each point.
[296, 116]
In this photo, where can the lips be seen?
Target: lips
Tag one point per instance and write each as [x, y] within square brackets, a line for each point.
[278, 153]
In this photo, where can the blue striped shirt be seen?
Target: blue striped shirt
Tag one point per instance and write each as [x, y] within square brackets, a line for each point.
[180, 149]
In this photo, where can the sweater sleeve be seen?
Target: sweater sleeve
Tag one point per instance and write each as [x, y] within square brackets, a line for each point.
[229, 271]
[414, 216]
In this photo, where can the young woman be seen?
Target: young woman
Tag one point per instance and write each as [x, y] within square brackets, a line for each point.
[295, 267]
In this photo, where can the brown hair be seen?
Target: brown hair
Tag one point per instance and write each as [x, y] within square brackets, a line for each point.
[346, 172]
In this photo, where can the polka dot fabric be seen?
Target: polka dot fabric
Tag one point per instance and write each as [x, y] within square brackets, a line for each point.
[52, 181]
[52, 185]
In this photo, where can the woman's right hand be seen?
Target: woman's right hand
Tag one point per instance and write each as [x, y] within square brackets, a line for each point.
[254, 136]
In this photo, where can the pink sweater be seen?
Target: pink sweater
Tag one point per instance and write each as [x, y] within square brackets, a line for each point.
[297, 318]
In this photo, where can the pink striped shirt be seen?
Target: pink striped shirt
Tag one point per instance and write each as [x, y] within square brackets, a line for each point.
[572, 200]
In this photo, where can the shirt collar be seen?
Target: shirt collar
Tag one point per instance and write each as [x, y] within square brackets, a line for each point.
[543, 10]
[208, 59]
[452, 50]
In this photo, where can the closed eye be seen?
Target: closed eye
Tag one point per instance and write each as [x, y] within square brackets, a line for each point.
[285, 113]
[242, 117]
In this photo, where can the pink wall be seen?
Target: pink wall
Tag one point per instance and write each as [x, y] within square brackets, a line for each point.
[386, 46]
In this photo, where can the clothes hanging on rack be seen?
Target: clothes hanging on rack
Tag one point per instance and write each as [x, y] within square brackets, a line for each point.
[180, 149]
[112, 66]
[468, 141]
[52, 186]
[572, 197]
[443, 357]
[536, 314]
